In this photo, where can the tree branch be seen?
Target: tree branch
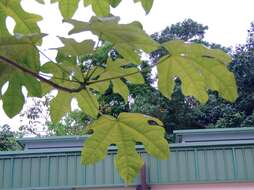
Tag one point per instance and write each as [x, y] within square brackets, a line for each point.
[112, 78]
[36, 75]
[60, 67]
[126, 75]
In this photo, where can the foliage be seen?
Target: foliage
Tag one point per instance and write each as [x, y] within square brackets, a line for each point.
[34, 117]
[7, 139]
[125, 131]
[76, 78]
[74, 123]
[187, 30]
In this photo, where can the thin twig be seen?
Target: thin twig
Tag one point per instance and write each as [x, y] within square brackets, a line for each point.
[59, 66]
[36, 75]
[126, 75]
[58, 78]
[89, 68]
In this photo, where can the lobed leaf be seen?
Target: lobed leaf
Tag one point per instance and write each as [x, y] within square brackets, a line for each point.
[125, 131]
[100, 7]
[146, 4]
[112, 72]
[19, 49]
[26, 23]
[73, 48]
[67, 7]
[127, 38]
[199, 69]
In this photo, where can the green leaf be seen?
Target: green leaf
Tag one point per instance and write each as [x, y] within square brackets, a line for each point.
[61, 104]
[146, 4]
[26, 23]
[13, 99]
[100, 87]
[115, 3]
[121, 88]
[125, 131]
[88, 103]
[100, 7]
[40, 1]
[127, 38]
[113, 72]
[199, 69]
[136, 78]
[73, 48]
[67, 7]
[19, 49]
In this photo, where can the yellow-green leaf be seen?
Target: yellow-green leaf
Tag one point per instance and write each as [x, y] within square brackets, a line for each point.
[26, 23]
[100, 7]
[67, 7]
[73, 48]
[125, 131]
[88, 103]
[113, 72]
[127, 38]
[199, 69]
[120, 88]
[115, 3]
[20, 50]
[60, 105]
[146, 4]
[40, 1]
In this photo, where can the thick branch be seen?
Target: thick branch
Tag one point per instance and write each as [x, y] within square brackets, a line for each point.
[36, 75]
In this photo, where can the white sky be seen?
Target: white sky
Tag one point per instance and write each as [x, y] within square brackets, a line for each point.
[228, 21]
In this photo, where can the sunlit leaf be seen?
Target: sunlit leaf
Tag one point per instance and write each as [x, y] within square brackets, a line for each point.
[67, 7]
[126, 38]
[199, 69]
[73, 48]
[100, 7]
[125, 131]
[146, 4]
[112, 72]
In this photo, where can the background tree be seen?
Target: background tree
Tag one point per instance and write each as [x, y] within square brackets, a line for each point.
[74, 123]
[7, 139]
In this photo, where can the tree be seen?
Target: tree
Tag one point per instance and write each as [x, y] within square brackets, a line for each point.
[198, 67]
[74, 123]
[186, 31]
[218, 113]
[7, 139]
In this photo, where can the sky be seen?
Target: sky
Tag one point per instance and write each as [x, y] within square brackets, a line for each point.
[228, 22]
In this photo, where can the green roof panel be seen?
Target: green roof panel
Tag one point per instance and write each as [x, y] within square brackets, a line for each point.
[188, 163]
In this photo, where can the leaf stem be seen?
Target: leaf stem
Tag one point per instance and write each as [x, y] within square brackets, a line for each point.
[126, 75]
[89, 68]
[64, 70]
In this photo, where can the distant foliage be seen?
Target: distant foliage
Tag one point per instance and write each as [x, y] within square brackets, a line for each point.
[7, 139]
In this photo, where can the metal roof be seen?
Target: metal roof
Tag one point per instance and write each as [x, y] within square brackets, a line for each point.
[188, 163]
[214, 135]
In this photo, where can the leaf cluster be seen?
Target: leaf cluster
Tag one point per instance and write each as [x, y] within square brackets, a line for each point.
[77, 75]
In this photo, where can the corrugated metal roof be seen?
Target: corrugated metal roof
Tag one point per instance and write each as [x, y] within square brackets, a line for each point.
[213, 135]
[188, 163]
